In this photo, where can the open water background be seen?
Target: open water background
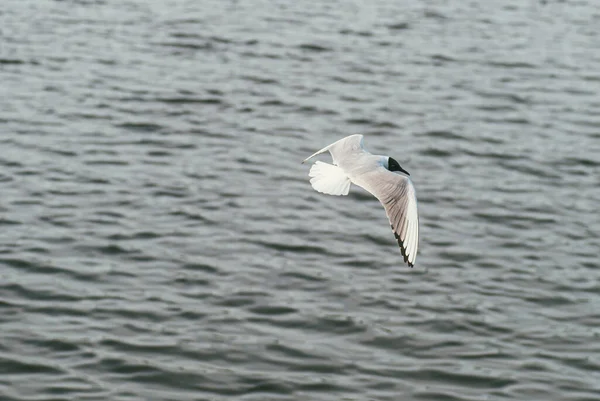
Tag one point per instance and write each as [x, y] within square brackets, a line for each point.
[159, 239]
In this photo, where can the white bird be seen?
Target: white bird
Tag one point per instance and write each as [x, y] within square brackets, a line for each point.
[382, 176]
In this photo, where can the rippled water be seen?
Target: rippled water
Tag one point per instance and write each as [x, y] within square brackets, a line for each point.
[159, 239]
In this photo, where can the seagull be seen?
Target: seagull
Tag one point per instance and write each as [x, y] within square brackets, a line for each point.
[381, 176]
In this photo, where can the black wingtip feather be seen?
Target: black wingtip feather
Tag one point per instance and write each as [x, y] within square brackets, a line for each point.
[402, 248]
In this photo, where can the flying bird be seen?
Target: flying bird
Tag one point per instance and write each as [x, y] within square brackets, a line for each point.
[382, 176]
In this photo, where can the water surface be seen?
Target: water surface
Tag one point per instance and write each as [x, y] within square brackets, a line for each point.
[159, 239]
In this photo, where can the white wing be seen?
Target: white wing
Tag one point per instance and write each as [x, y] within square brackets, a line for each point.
[397, 195]
[345, 148]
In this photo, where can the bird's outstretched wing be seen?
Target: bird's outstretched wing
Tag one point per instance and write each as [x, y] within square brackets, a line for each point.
[397, 195]
[345, 148]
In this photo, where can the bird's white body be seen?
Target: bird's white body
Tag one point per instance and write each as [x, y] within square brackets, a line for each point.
[353, 164]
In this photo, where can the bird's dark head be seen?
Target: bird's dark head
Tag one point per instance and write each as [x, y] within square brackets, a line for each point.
[393, 165]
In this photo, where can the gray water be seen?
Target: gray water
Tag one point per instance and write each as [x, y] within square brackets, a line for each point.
[159, 238]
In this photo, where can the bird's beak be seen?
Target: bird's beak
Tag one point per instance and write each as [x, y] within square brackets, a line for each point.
[404, 171]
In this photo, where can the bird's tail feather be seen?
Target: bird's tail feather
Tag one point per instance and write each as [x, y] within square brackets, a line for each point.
[329, 179]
